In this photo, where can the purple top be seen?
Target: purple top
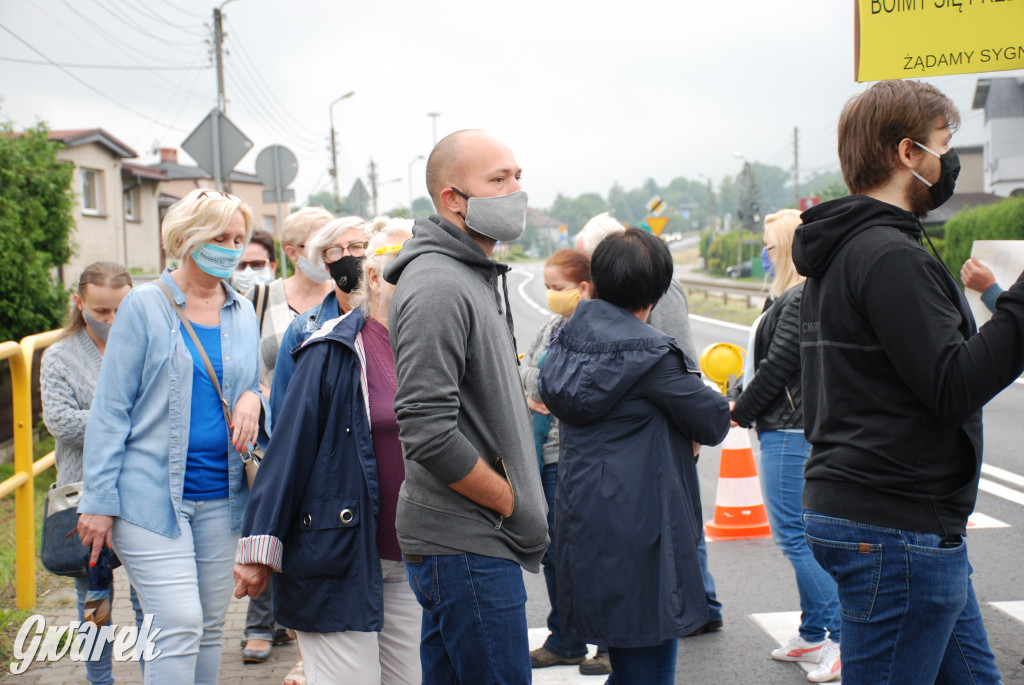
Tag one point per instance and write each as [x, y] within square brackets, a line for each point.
[382, 385]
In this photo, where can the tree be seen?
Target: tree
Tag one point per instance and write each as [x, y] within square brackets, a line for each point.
[325, 199]
[1001, 221]
[574, 213]
[422, 206]
[36, 202]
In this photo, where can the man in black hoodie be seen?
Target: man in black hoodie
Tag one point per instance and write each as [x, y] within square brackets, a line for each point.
[895, 374]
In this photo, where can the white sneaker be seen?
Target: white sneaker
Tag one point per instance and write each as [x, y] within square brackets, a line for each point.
[799, 649]
[829, 665]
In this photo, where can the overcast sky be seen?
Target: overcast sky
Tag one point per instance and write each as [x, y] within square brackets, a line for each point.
[587, 93]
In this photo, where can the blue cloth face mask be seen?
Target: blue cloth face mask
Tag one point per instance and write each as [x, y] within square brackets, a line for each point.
[215, 260]
[501, 218]
[767, 263]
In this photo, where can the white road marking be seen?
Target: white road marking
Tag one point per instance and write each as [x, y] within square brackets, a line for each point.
[1001, 491]
[977, 521]
[522, 291]
[781, 626]
[558, 675]
[1003, 474]
[723, 324]
[1014, 609]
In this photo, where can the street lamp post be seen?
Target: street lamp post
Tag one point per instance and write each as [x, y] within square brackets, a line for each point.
[409, 176]
[334, 150]
[434, 116]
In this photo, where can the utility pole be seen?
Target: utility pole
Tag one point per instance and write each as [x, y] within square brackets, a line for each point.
[434, 116]
[334, 171]
[711, 206]
[218, 51]
[796, 166]
[373, 185]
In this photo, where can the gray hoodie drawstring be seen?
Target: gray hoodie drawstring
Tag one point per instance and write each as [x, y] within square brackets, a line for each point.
[508, 313]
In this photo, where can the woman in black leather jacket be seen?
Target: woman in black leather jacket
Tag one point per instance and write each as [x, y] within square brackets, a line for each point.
[770, 401]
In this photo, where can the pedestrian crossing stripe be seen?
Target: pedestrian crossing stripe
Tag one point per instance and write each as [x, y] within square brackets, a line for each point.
[1014, 609]
[977, 521]
[781, 626]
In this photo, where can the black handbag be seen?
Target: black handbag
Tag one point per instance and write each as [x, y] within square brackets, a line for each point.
[62, 552]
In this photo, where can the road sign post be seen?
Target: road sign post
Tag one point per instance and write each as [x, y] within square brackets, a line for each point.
[276, 167]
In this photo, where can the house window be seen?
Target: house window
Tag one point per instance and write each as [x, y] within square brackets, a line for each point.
[269, 222]
[92, 191]
[131, 205]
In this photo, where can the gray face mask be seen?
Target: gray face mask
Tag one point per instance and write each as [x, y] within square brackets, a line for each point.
[500, 218]
[317, 274]
[101, 329]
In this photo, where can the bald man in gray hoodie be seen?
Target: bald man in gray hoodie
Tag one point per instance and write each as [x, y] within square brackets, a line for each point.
[471, 512]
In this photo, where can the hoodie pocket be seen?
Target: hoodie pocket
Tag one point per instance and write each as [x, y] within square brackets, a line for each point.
[499, 466]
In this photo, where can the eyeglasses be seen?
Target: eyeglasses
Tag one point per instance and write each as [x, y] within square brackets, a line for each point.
[336, 252]
[256, 264]
[220, 194]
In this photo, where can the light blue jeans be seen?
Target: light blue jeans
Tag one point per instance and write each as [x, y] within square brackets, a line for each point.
[783, 457]
[186, 583]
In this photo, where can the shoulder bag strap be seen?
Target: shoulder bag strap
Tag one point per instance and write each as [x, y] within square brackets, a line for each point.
[199, 346]
[262, 300]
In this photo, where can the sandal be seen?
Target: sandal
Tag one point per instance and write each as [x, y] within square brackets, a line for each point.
[296, 676]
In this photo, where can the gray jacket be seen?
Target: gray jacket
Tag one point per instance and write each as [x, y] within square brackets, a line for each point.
[459, 396]
[529, 371]
[672, 316]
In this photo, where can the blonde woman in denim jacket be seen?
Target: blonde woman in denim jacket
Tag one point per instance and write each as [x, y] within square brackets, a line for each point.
[164, 479]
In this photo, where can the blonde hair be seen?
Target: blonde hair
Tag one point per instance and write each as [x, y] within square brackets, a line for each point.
[596, 230]
[331, 231]
[383, 233]
[199, 217]
[100, 274]
[779, 228]
[298, 226]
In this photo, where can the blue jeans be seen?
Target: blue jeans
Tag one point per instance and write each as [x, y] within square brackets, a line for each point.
[714, 606]
[908, 605]
[556, 643]
[186, 583]
[474, 619]
[644, 665]
[783, 457]
[98, 671]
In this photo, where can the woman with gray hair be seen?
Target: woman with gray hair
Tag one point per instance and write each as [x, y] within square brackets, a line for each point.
[335, 466]
[163, 472]
[335, 251]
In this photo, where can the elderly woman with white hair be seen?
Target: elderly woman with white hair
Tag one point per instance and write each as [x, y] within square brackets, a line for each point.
[322, 515]
[335, 253]
[163, 471]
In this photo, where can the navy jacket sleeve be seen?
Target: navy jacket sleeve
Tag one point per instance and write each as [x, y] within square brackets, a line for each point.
[700, 413]
[281, 484]
[781, 363]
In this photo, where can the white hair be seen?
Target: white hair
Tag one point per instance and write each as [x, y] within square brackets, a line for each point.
[596, 230]
[318, 243]
[383, 233]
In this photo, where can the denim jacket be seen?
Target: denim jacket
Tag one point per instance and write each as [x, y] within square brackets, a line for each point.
[137, 437]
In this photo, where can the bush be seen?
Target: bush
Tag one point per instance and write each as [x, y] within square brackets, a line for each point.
[721, 254]
[1002, 221]
[35, 229]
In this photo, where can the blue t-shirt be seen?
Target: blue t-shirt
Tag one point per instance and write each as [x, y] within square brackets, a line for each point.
[206, 465]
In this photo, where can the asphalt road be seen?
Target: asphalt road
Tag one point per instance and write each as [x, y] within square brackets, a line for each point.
[756, 583]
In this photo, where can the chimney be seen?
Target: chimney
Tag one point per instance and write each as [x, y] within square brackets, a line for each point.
[168, 154]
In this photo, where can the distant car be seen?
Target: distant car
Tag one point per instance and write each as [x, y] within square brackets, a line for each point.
[739, 270]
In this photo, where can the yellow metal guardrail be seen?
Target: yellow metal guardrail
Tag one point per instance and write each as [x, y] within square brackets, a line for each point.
[22, 483]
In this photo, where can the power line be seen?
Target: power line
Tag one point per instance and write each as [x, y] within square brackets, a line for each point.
[174, 6]
[144, 10]
[118, 67]
[174, 45]
[114, 40]
[84, 83]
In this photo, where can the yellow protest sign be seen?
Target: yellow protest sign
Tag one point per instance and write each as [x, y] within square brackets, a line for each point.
[657, 224]
[915, 38]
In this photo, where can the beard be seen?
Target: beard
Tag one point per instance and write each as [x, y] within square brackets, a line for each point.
[919, 197]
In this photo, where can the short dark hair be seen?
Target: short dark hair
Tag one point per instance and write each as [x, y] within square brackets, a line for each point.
[631, 269]
[874, 122]
[263, 238]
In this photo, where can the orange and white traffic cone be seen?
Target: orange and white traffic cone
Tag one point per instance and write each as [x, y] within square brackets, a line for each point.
[739, 506]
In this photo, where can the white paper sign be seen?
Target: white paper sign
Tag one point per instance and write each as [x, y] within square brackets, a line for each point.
[1006, 260]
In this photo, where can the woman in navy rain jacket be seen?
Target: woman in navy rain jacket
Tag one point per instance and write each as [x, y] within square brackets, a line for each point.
[321, 513]
[632, 409]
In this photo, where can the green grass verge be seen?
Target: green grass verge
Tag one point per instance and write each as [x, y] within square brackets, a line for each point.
[11, 618]
[735, 311]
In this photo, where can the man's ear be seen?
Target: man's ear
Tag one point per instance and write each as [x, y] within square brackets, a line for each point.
[450, 201]
[906, 156]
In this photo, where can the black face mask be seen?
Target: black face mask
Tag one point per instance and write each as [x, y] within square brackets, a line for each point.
[346, 271]
[942, 189]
